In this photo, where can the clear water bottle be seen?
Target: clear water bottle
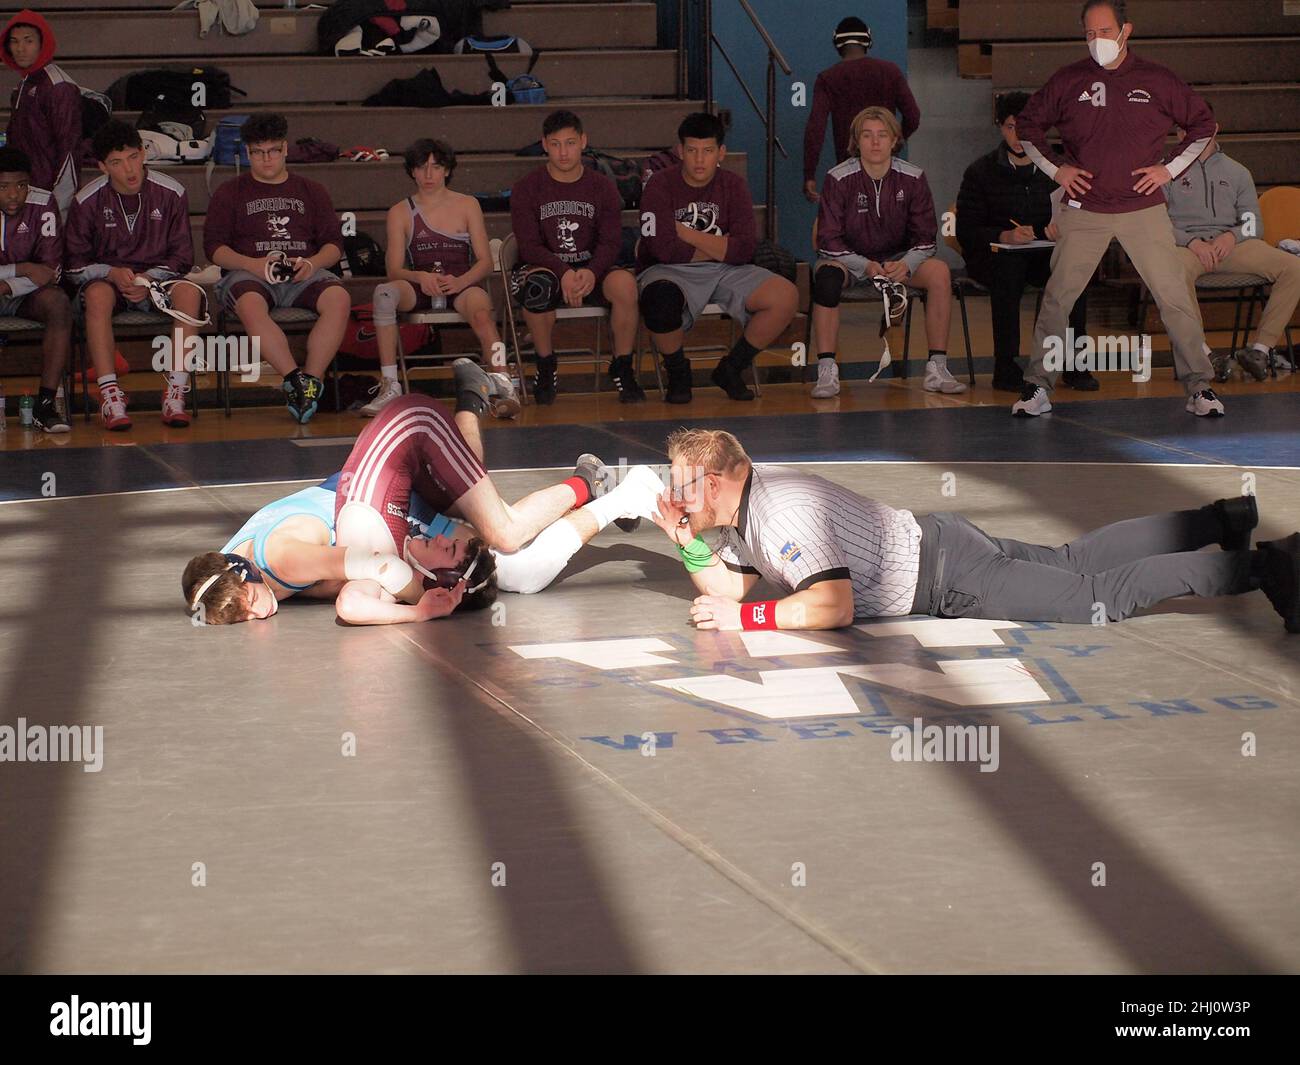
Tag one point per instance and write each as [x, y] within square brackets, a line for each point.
[25, 411]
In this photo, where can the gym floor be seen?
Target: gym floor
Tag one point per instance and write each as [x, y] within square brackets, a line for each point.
[579, 781]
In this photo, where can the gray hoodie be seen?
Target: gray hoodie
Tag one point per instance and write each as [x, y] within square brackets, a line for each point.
[1211, 197]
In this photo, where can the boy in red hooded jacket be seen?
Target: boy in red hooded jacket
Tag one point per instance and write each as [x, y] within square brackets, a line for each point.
[45, 121]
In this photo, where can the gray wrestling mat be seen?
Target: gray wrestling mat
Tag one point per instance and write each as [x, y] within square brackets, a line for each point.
[581, 782]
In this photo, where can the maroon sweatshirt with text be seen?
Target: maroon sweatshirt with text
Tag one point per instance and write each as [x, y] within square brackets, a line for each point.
[31, 236]
[567, 225]
[149, 232]
[669, 199]
[254, 219]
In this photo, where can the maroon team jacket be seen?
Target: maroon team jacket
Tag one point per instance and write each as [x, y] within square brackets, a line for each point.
[101, 234]
[32, 236]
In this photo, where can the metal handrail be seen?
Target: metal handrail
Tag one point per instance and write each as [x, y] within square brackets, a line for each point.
[772, 49]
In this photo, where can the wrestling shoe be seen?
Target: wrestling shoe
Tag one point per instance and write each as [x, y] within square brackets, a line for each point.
[1205, 404]
[545, 384]
[173, 405]
[505, 397]
[47, 417]
[599, 477]
[302, 392]
[727, 376]
[1221, 361]
[938, 379]
[112, 408]
[1237, 516]
[387, 390]
[473, 387]
[1253, 361]
[1033, 401]
[623, 374]
[679, 380]
[1280, 580]
[828, 379]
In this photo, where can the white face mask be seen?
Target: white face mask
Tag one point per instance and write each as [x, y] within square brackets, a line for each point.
[1104, 50]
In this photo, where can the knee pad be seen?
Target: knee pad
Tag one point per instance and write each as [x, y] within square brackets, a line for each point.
[662, 304]
[361, 525]
[538, 290]
[828, 285]
[385, 304]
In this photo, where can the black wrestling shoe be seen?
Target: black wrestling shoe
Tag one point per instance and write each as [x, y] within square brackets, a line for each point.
[679, 380]
[47, 417]
[1238, 517]
[623, 374]
[1281, 578]
[545, 384]
[727, 377]
[303, 393]
[1080, 381]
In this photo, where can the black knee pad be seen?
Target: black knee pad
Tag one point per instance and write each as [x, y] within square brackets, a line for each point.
[828, 284]
[538, 291]
[662, 304]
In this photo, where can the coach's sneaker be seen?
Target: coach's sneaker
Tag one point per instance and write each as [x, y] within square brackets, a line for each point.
[545, 384]
[1205, 404]
[1237, 516]
[1253, 361]
[828, 379]
[1280, 578]
[504, 398]
[938, 379]
[47, 417]
[302, 395]
[112, 407]
[726, 375]
[623, 374]
[1033, 401]
[174, 413]
[678, 371]
[1221, 361]
[387, 390]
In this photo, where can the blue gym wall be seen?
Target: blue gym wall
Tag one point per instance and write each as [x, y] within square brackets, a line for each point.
[802, 29]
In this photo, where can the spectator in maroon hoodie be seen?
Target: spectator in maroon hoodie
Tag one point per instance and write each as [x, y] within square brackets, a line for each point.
[31, 257]
[45, 115]
[842, 91]
[1113, 111]
[567, 219]
[129, 222]
[268, 213]
[698, 245]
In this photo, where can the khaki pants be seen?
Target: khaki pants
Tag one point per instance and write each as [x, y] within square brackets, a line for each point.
[1148, 238]
[1257, 257]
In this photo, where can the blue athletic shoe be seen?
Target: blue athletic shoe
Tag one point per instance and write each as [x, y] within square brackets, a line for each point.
[303, 392]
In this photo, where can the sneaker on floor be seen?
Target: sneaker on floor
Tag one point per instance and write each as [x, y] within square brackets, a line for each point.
[112, 408]
[1080, 381]
[1222, 363]
[828, 379]
[1253, 361]
[938, 379]
[1008, 377]
[623, 374]
[1238, 517]
[727, 377]
[1205, 404]
[302, 395]
[387, 390]
[47, 417]
[1033, 401]
[545, 387]
[504, 398]
[1281, 578]
[678, 372]
[174, 413]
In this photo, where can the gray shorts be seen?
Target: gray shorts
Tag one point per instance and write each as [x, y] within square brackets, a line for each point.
[302, 294]
[856, 265]
[144, 305]
[704, 283]
[12, 306]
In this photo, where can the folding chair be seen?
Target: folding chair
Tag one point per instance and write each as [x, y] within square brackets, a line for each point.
[130, 323]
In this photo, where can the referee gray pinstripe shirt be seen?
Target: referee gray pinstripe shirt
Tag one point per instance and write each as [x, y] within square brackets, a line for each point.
[796, 529]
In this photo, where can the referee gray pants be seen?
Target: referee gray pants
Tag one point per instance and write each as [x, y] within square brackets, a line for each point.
[1118, 569]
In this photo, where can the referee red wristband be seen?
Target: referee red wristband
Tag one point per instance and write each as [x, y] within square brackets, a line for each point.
[758, 615]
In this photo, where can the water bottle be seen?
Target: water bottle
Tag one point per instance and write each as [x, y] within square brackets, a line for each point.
[438, 303]
[289, 5]
[2, 405]
[25, 411]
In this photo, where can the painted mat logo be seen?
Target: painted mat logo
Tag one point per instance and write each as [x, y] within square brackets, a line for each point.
[103, 1018]
[1105, 354]
[53, 743]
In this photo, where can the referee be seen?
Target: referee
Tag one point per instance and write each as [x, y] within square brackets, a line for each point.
[840, 556]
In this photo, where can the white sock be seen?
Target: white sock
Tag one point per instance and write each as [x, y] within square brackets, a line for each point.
[389, 372]
[1207, 349]
[107, 379]
[940, 361]
[536, 564]
[634, 497]
[1261, 347]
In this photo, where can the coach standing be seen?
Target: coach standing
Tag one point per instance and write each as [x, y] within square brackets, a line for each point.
[1113, 112]
[842, 91]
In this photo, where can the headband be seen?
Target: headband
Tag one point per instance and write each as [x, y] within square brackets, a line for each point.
[236, 563]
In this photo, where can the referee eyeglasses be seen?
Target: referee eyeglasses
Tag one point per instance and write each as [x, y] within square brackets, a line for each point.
[679, 494]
